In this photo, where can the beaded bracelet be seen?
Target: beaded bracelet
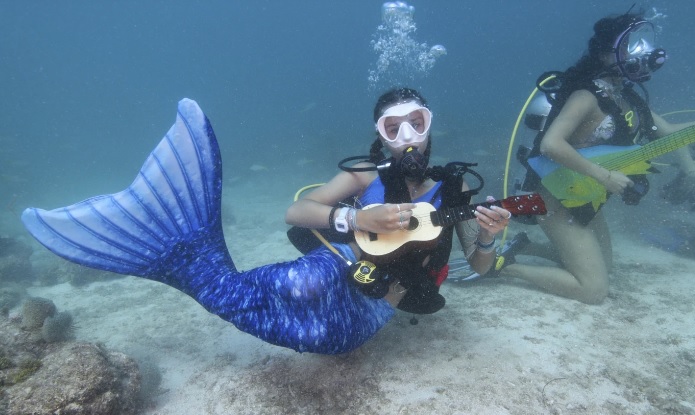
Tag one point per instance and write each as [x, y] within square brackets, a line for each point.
[485, 248]
[352, 216]
[348, 218]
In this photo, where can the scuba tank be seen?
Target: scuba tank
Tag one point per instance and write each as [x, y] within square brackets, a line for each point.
[537, 113]
[536, 119]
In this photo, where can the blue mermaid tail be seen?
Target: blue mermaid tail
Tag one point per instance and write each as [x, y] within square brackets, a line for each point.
[166, 226]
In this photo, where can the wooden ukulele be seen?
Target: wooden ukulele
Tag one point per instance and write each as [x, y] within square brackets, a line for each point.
[427, 223]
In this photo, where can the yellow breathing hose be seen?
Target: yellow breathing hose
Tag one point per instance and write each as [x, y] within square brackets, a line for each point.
[510, 150]
[314, 231]
[305, 188]
[675, 112]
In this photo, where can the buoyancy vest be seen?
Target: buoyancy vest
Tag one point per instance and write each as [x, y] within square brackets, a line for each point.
[625, 134]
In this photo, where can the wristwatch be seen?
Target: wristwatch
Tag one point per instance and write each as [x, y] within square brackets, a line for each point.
[341, 223]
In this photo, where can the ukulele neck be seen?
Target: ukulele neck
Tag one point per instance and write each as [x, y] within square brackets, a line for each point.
[450, 216]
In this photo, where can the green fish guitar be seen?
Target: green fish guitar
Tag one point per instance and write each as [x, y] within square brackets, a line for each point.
[578, 192]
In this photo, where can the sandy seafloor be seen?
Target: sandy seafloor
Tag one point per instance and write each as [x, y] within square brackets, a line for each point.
[498, 347]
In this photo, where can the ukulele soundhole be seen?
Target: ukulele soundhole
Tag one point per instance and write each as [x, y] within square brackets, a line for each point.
[413, 224]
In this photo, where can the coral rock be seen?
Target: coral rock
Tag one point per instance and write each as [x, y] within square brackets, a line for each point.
[79, 379]
[35, 310]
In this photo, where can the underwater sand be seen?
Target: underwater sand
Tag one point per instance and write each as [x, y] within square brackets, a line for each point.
[498, 347]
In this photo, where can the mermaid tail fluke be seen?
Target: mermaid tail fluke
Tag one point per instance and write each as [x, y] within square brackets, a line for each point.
[176, 193]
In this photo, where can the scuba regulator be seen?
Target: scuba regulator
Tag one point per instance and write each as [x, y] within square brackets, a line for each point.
[413, 164]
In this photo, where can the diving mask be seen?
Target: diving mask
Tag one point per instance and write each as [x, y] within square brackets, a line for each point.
[405, 124]
[635, 53]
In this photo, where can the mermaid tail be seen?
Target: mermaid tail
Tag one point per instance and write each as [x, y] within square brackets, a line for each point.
[176, 192]
[166, 226]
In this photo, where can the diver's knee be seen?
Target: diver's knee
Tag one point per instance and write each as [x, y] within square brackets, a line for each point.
[595, 294]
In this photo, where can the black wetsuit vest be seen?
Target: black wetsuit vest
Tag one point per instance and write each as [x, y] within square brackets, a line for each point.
[624, 135]
[423, 282]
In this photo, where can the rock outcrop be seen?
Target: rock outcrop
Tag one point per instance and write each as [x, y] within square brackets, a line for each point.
[63, 378]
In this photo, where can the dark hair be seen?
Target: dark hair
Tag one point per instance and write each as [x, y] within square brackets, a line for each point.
[396, 96]
[606, 31]
[387, 99]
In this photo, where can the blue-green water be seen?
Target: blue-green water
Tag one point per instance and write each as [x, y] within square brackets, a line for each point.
[88, 88]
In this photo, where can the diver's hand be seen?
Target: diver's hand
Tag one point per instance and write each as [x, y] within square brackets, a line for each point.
[615, 181]
[385, 218]
[492, 220]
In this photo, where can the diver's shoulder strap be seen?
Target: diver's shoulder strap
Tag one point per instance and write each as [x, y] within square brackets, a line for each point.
[647, 132]
[646, 120]
[451, 177]
[605, 103]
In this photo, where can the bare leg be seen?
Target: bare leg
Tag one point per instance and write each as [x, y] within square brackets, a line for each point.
[545, 250]
[584, 253]
[600, 229]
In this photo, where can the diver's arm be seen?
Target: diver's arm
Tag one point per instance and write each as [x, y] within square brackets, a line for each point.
[468, 233]
[664, 128]
[313, 210]
[581, 108]
[685, 158]
[686, 162]
[472, 232]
